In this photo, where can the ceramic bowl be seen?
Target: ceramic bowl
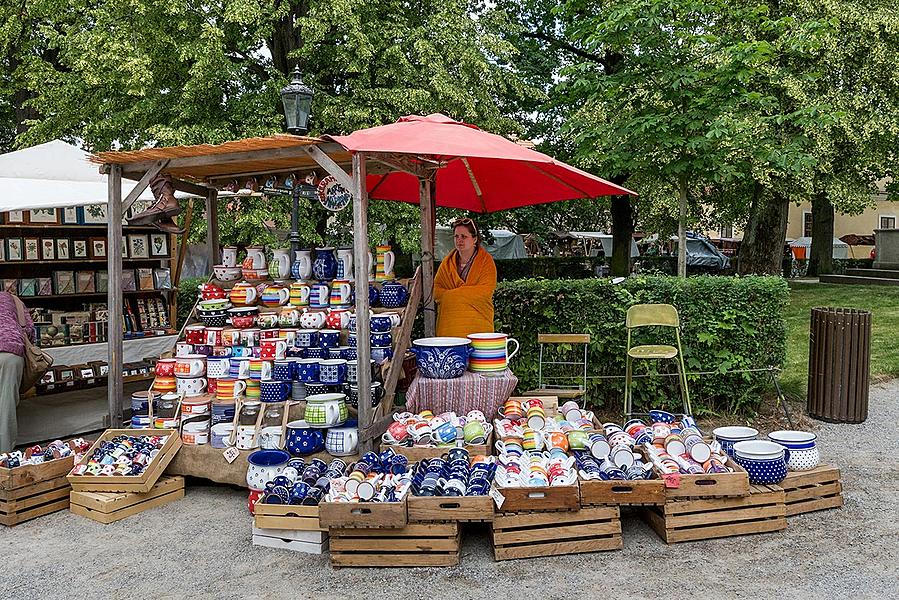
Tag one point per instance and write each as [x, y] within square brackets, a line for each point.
[223, 273]
[765, 462]
[728, 436]
[441, 357]
[804, 455]
[264, 466]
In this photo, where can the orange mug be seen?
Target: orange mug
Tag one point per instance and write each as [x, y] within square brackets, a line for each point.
[511, 409]
[557, 439]
[165, 384]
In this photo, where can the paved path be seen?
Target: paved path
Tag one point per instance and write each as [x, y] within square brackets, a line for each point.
[200, 547]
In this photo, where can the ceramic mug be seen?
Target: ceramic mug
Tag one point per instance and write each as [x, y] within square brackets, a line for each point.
[217, 367]
[165, 367]
[195, 334]
[191, 386]
[329, 338]
[332, 371]
[240, 367]
[165, 384]
[192, 365]
[184, 348]
[273, 349]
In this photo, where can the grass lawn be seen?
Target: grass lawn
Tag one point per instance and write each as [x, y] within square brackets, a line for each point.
[882, 301]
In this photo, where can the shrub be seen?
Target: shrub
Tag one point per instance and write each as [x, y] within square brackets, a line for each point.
[187, 296]
[727, 323]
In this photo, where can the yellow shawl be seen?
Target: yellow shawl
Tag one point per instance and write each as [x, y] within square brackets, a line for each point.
[465, 307]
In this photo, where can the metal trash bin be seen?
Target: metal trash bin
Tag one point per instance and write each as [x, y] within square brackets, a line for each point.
[838, 364]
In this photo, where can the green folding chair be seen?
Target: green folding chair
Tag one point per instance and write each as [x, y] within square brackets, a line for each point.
[654, 315]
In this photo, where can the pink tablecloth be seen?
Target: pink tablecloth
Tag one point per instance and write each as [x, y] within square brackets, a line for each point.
[461, 395]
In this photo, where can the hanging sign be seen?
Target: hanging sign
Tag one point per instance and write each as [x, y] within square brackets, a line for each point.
[332, 195]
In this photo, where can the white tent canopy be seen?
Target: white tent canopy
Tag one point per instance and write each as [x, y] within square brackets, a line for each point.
[840, 248]
[606, 240]
[53, 175]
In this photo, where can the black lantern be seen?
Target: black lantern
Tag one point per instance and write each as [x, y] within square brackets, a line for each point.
[297, 99]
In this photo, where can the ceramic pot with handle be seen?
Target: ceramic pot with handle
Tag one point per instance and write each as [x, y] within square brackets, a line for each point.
[326, 410]
[265, 465]
[441, 357]
[393, 294]
[766, 462]
[302, 439]
[342, 441]
[804, 455]
[243, 294]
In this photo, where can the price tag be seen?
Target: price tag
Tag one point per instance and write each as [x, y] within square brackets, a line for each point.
[497, 497]
[672, 480]
[231, 454]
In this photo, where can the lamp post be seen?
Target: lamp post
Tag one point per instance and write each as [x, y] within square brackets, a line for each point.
[297, 99]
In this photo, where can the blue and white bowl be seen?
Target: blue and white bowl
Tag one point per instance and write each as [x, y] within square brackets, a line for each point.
[728, 436]
[765, 462]
[442, 357]
[803, 448]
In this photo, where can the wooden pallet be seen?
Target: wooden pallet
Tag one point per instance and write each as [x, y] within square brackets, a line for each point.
[530, 499]
[436, 508]
[142, 483]
[808, 491]
[762, 511]
[710, 485]
[34, 500]
[533, 534]
[363, 514]
[108, 507]
[415, 545]
[287, 517]
[307, 542]
[624, 493]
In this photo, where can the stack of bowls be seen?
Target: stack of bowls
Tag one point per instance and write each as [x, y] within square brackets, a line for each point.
[213, 313]
[223, 273]
[802, 446]
[728, 436]
[766, 462]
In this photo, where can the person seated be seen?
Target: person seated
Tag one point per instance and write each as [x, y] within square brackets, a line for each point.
[464, 285]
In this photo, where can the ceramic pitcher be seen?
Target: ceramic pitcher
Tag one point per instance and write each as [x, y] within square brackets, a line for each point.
[255, 258]
[345, 264]
[385, 262]
[280, 265]
[302, 265]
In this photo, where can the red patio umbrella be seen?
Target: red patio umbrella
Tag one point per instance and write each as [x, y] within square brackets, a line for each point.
[479, 171]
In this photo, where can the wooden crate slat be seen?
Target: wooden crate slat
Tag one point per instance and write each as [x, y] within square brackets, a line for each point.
[509, 521]
[820, 474]
[32, 501]
[342, 559]
[562, 497]
[410, 530]
[807, 506]
[19, 477]
[712, 485]
[578, 530]
[34, 489]
[468, 508]
[557, 548]
[411, 544]
[13, 519]
[824, 490]
[629, 493]
[288, 523]
[363, 514]
[708, 505]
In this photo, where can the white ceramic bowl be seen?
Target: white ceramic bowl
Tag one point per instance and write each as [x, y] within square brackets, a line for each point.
[758, 450]
[735, 433]
[223, 273]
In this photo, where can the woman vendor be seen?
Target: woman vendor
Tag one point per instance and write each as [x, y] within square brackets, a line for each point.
[464, 285]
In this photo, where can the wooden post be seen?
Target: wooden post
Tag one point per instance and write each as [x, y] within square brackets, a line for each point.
[360, 264]
[114, 298]
[212, 227]
[428, 224]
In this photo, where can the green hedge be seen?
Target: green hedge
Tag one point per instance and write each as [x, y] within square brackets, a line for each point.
[187, 296]
[728, 323]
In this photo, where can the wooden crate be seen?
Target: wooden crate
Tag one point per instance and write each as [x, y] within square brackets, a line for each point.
[807, 491]
[108, 507]
[32, 491]
[142, 483]
[436, 508]
[762, 511]
[34, 500]
[531, 499]
[363, 514]
[308, 542]
[287, 517]
[710, 485]
[626, 493]
[415, 545]
[533, 534]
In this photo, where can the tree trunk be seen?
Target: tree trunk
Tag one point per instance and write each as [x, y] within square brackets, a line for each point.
[820, 260]
[763, 242]
[682, 226]
[622, 235]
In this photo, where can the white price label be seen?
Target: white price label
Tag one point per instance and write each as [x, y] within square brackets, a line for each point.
[498, 498]
[231, 454]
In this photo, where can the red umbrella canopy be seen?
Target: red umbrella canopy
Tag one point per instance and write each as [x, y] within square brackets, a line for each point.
[480, 171]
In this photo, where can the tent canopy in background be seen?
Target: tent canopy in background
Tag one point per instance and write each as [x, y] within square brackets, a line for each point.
[505, 244]
[53, 175]
[840, 248]
[605, 239]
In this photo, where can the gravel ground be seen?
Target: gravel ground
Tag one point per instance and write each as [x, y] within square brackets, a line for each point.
[200, 547]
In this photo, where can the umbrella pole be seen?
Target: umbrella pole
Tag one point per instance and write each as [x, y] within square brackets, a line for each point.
[360, 264]
[114, 298]
[428, 225]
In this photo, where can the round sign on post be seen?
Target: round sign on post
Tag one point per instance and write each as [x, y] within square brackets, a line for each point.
[332, 195]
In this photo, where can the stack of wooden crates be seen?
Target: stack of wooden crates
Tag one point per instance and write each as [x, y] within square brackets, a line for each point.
[32, 491]
[107, 499]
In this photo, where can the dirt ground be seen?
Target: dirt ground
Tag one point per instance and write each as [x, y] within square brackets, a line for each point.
[199, 547]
